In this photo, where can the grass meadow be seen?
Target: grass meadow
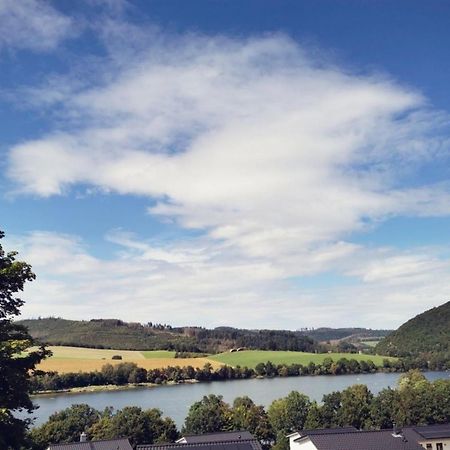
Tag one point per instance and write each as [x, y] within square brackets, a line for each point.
[251, 358]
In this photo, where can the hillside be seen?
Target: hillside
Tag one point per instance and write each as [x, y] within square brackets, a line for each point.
[428, 332]
[116, 334]
[350, 334]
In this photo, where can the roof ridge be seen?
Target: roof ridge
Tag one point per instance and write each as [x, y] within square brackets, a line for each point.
[215, 432]
[89, 442]
[177, 444]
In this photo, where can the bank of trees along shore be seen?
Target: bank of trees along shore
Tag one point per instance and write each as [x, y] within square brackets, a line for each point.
[129, 373]
[415, 401]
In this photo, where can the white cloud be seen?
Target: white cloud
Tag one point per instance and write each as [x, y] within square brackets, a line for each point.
[210, 288]
[32, 24]
[275, 156]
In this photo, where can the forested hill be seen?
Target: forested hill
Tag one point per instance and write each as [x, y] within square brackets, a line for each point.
[116, 334]
[349, 334]
[428, 332]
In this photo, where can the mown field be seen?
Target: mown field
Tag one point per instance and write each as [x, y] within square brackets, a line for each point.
[251, 358]
[77, 359]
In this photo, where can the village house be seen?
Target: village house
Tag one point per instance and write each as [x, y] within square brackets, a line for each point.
[233, 440]
[430, 437]
[85, 444]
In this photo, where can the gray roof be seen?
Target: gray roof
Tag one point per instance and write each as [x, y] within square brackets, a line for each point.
[432, 431]
[219, 437]
[110, 444]
[326, 431]
[361, 440]
[224, 445]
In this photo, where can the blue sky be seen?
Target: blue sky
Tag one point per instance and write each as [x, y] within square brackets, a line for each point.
[274, 164]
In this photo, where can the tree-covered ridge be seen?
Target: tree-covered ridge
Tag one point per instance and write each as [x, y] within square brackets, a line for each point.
[332, 334]
[428, 332]
[120, 335]
[116, 334]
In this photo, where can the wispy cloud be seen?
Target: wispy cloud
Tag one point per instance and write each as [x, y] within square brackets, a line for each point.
[275, 155]
[32, 24]
[192, 283]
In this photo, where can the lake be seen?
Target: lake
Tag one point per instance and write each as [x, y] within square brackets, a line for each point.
[175, 400]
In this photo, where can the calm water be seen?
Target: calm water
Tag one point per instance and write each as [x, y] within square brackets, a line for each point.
[175, 401]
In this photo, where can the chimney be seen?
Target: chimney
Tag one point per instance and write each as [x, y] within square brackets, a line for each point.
[83, 437]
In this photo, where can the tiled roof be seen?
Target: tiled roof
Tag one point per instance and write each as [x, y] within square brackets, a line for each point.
[110, 444]
[433, 431]
[219, 437]
[326, 431]
[223, 445]
[362, 440]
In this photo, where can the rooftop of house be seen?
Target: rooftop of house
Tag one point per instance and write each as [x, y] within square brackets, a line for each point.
[302, 433]
[432, 431]
[217, 437]
[108, 444]
[224, 445]
[336, 439]
[233, 440]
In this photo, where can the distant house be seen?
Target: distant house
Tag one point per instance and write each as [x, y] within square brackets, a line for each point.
[431, 437]
[84, 444]
[234, 440]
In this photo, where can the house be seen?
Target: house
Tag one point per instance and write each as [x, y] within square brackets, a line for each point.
[84, 444]
[233, 440]
[295, 437]
[431, 437]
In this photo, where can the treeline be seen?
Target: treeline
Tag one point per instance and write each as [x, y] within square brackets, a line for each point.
[116, 334]
[416, 401]
[130, 373]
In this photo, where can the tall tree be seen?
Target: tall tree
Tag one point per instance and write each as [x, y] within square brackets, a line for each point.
[288, 414]
[355, 406]
[209, 415]
[248, 416]
[138, 425]
[16, 362]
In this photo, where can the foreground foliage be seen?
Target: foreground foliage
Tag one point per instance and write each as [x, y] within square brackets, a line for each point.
[15, 368]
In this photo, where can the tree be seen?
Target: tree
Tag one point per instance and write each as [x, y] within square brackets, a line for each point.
[381, 409]
[288, 414]
[314, 417]
[16, 366]
[248, 416]
[209, 415]
[355, 406]
[331, 404]
[65, 426]
[140, 426]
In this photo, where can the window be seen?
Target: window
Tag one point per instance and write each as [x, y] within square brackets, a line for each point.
[429, 446]
[439, 446]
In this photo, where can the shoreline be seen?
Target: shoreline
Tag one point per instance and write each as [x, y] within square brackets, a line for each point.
[110, 388]
[131, 386]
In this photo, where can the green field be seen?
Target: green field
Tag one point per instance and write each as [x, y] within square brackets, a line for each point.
[251, 358]
[158, 354]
